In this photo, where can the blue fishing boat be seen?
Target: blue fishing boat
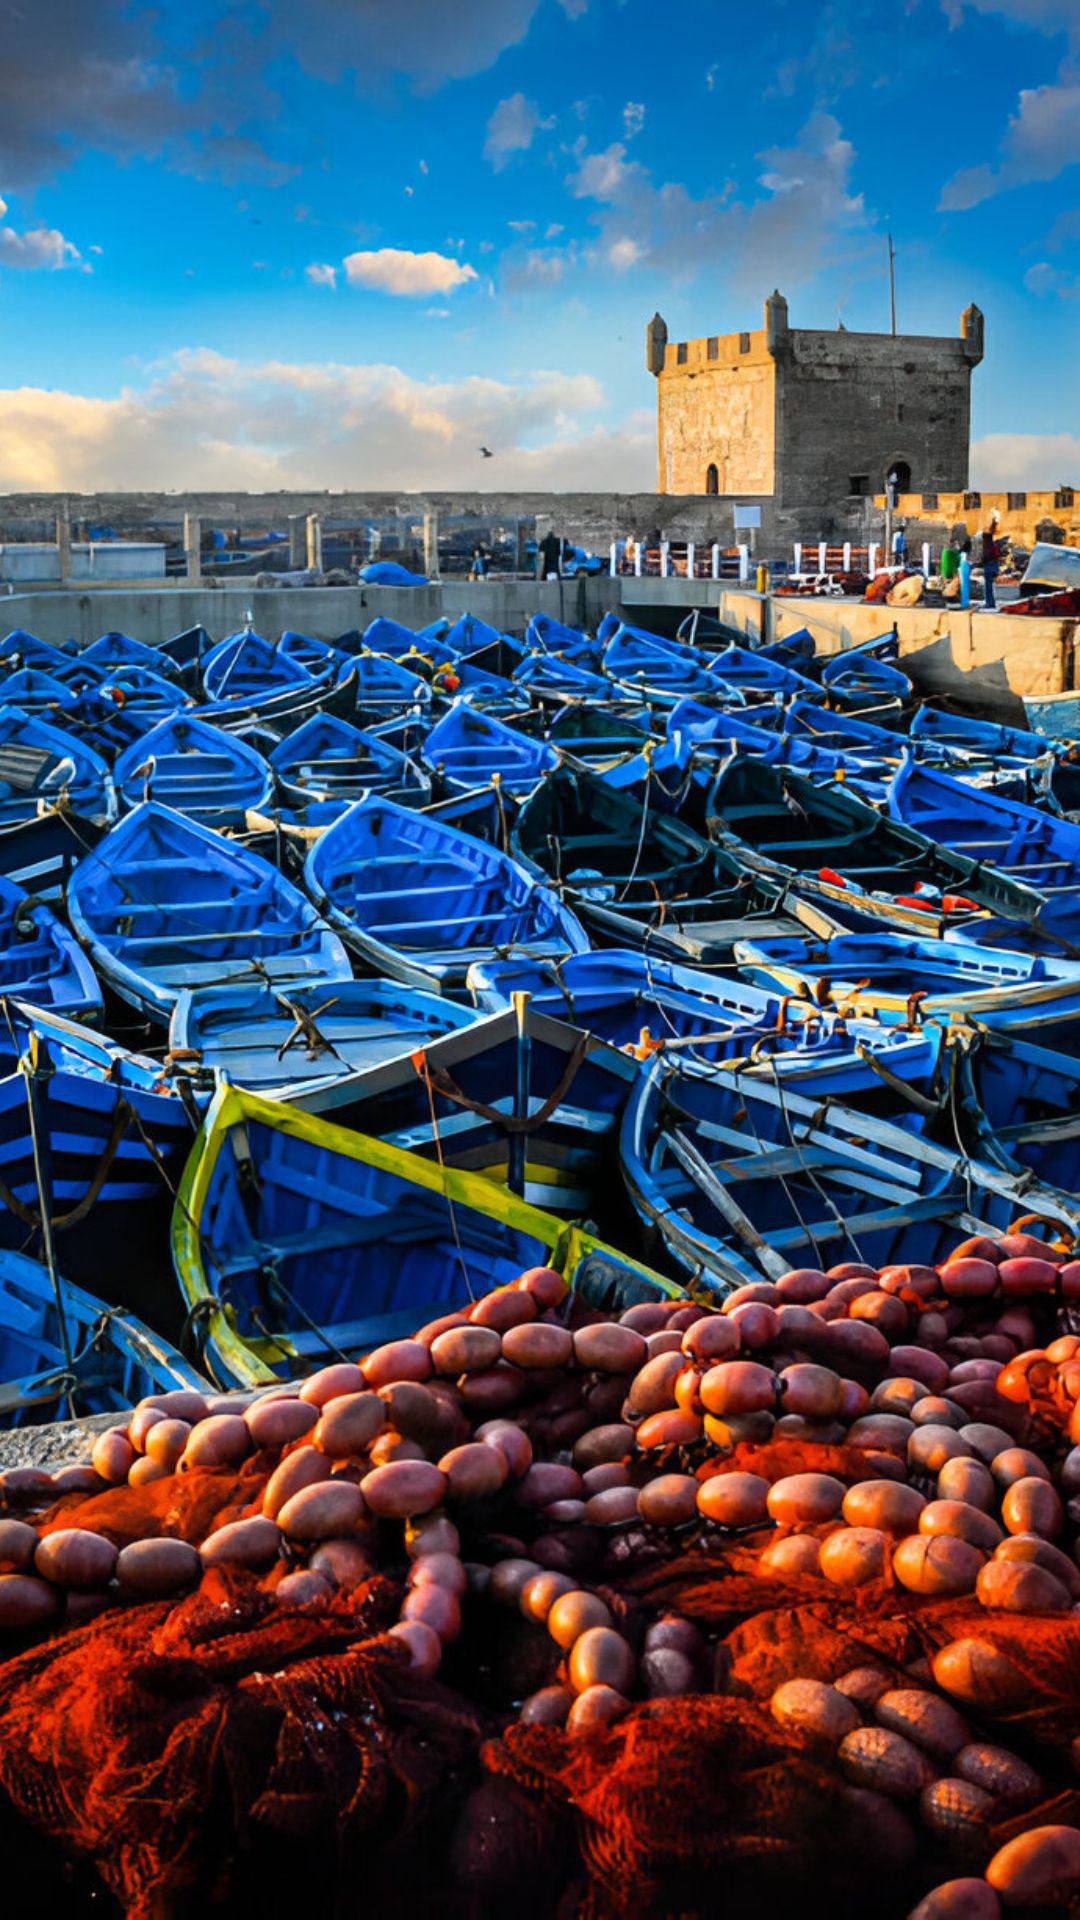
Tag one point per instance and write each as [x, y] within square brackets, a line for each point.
[986, 741]
[467, 749]
[838, 732]
[140, 690]
[647, 1006]
[892, 974]
[41, 961]
[1019, 1103]
[245, 667]
[164, 903]
[33, 690]
[186, 650]
[64, 1353]
[1056, 715]
[862, 682]
[1038, 849]
[385, 689]
[292, 1041]
[198, 769]
[754, 675]
[742, 1176]
[41, 854]
[661, 672]
[470, 635]
[328, 763]
[317, 657]
[594, 736]
[544, 634]
[21, 649]
[285, 706]
[115, 652]
[640, 877]
[490, 692]
[43, 766]
[84, 1124]
[553, 682]
[845, 854]
[910, 983]
[530, 1102]
[296, 1242]
[420, 901]
[389, 636]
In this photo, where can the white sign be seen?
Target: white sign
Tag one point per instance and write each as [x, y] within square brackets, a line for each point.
[748, 516]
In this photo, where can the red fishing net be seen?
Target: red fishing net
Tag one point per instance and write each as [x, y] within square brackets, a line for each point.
[221, 1751]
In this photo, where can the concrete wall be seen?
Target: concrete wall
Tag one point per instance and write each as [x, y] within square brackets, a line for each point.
[984, 661]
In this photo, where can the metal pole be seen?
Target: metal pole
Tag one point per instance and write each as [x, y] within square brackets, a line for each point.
[515, 1154]
[892, 285]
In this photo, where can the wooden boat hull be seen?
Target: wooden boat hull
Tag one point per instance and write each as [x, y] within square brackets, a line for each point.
[298, 1241]
[163, 905]
[116, 1359]
[294, 1042]
[743, 1180]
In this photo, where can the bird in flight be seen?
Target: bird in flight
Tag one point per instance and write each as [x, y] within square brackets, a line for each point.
[487, 453]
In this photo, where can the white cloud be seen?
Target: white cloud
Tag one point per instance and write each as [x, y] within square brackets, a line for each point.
[97, 250]
[574, 8]
[1018, 462]
[1043, 278]
[803, 213]
[510, 129]
[1040, 141]
[215, 422]
[394, 270]
[41, 247]
[320, 274]
[633, 118]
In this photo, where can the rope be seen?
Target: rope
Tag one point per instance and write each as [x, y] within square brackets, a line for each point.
[463, 1263]
[46, 1229]
[445, 1085]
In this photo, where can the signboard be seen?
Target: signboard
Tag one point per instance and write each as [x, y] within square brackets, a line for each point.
[747, 516]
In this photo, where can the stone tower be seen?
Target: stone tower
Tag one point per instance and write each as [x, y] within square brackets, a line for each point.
[809, 418]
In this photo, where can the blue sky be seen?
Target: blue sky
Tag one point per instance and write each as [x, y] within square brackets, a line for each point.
[343, 244]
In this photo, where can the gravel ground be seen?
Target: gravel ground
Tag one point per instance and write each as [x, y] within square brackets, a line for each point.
[66, 1443]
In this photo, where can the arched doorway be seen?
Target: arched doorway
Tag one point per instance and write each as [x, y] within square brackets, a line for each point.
[898, 475]
[712, 478]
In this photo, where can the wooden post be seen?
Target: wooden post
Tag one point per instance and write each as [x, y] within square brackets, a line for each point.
[637, 558]
[431, 545]
[297, 542]
[821, 553]
[63, 543]
[690, 559]
[193, 546]
[744, 563]
[871, 558]
[613, 560]
[798, 556]
[665, 553]
[314, 542]
[847, 556]
[716, 560]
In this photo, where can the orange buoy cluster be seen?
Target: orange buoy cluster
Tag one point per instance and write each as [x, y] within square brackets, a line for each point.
[565, 1443]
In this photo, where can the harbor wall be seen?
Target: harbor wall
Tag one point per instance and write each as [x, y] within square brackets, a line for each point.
[987, 661]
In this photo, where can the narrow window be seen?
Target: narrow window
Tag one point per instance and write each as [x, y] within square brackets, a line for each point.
[712, 478]
[744, 343]
[712, 348]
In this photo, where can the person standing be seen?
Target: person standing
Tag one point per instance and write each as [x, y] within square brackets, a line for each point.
[991, 563]
[899, 545]
[550, 553]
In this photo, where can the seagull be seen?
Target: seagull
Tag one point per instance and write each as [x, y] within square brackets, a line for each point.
[487, 453]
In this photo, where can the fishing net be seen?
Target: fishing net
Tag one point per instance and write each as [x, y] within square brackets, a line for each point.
[212, 1753]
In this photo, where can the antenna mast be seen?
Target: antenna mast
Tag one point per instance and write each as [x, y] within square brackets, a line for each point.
[892, 285]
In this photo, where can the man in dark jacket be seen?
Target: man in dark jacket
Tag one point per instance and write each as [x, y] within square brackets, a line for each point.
[550, 554]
